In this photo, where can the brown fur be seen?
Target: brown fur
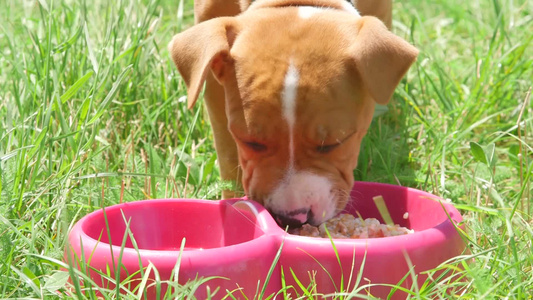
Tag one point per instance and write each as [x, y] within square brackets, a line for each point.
[346, 65]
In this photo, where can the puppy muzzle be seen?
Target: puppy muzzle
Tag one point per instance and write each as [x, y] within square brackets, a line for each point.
[293, 219]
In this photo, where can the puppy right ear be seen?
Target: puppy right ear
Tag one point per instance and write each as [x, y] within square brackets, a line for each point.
[200, 49]
[381, 58]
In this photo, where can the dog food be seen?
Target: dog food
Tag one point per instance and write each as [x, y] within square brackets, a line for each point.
[346, 226]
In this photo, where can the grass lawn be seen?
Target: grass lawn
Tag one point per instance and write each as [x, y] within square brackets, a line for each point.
[92, 114]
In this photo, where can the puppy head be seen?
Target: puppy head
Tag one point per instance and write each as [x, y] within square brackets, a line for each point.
[300, 85]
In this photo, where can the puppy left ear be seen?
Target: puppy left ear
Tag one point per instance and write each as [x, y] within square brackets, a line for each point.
[202, 48]
[381, 58]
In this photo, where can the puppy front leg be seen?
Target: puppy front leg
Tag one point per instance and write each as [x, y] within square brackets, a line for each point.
[225, 146]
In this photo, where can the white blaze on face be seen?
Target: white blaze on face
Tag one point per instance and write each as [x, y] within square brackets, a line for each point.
[288, 98]
[299, 191]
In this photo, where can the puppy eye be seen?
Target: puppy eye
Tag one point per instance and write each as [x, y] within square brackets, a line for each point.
[326, 148]
[254, 146]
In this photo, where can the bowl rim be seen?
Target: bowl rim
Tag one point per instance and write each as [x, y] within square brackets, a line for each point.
[430, 236]
[78, 233]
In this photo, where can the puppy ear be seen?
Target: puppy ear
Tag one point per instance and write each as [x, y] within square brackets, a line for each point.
[381, 58]
[200, 49]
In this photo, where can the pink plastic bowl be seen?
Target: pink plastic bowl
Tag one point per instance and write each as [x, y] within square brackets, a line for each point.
[238, 239]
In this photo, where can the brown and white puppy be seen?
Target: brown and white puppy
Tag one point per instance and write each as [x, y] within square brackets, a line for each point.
[291, 89]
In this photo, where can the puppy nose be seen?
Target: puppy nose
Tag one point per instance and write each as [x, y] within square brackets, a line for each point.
[293, 219]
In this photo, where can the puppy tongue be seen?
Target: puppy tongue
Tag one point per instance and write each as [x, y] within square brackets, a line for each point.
[292, 219]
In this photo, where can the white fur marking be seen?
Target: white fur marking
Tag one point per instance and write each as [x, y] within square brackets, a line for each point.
[350, 8]
[299, 190]
[305, 12]
[288, 98]
[304, 190]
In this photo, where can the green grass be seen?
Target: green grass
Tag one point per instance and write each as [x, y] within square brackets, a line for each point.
[91, 114]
